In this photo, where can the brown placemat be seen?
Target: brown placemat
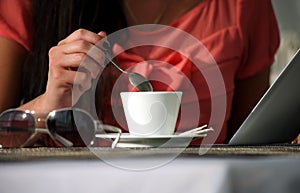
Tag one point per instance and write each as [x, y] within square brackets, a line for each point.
[23, 154]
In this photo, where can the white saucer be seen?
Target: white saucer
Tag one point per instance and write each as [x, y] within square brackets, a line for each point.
[127, 140]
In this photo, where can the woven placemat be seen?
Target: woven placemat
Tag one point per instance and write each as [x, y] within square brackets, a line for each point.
[23, 154]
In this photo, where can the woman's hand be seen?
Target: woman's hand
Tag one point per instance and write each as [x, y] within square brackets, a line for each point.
[73, 63]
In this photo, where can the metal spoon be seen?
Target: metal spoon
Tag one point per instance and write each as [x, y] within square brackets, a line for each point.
[136, 79]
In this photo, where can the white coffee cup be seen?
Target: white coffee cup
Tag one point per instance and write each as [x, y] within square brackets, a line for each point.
[151, 113]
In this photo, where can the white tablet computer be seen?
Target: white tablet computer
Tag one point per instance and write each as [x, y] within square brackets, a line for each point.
[276, 117]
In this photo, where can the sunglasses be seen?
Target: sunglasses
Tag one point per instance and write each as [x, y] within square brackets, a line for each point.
[68, 127]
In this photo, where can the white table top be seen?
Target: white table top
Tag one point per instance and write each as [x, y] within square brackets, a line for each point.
[187, 173]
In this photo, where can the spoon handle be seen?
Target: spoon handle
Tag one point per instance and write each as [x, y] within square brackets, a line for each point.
[109, 57]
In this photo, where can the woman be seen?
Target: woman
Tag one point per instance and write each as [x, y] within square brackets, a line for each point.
[242, 46]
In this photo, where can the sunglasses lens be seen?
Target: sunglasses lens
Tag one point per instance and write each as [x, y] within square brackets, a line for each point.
[74, 125]
[15, 128]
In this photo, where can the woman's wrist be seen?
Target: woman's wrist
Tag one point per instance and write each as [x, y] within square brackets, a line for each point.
[37, 105]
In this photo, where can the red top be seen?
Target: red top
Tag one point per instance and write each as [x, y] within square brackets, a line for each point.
[241, 36]
[15, 19]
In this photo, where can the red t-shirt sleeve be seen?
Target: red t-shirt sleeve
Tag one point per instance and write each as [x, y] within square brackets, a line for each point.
[15, 21]
[260, 36]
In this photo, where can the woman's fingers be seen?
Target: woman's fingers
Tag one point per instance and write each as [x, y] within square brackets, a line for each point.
[82, 34]
[63, 85]
[86, 36]
[64, 88]
[78, 60]
[78, 52]
[85, 51]
[73, 64]
[86, 42]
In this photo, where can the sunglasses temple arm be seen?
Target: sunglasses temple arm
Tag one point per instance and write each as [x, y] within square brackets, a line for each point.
[62, 140]
[100, 127]
[111, 128]
[37, 130]
[56, 137]
[116, 141]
